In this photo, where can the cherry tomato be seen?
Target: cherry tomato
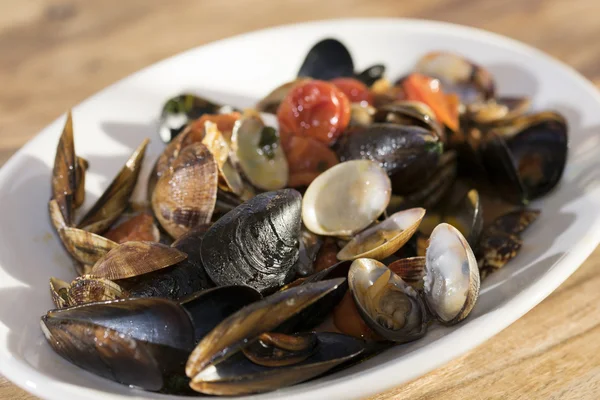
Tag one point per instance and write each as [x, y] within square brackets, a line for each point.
[427, 90]
[315, 109]
[224, 123]
[138, 228]
[307, 158]
[355, 90]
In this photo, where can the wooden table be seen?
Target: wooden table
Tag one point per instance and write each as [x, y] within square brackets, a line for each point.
[54, 54]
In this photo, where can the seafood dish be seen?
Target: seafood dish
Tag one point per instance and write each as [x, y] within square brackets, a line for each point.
[342, 215]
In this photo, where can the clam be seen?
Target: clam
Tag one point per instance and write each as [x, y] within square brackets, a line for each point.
[384, 239]
[185, 195]
[451, 282]
[136, 258]
[470, 81]
[85, 247]
[387, 304]
[59, 290]
[64, 173]
[115, 198]
[257, 243]
[406, 153]
[326, 60]
[411, 270]
[259, 153]
[181, 109]
[218, 365]
[140, 227]
[346, 198]
[84, 289]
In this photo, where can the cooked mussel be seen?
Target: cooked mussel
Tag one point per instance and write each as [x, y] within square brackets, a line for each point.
[525, 157]
[257, 243]
[346, 198]
[218, 366]
[471, 82]
[180, 280]
[259, 153]
[405, 152]
[185, 195]
[384, 239]
[140, 342]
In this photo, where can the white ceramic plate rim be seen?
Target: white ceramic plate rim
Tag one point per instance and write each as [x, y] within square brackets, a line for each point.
[380, 378]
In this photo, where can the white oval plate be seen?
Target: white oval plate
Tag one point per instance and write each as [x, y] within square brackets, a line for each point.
[239, 71]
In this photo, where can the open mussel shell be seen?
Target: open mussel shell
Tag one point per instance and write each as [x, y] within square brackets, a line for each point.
[185, 195]
[451, 282]
[259, 153]
[279, 350]
[256, 244]
[79, 196]
[384, 239]
[239, 375]
[180, 110]
[247, 324]
[387, 304]
[406, 153]
[326, 60]
[207, 308]
[371, 74]
[431, 191]
[471, 82]
[315, 314]
[137, 342]
[64, 173]
[115, 198]
[136, 258]
[410, 113]
[346, 198]
[467, 217]
[526, 156]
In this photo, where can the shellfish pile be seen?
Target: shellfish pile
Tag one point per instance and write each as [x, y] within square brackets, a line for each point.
[270, 255]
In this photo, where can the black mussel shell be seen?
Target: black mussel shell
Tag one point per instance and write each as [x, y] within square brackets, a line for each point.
[540, 154]
[180, 280]
[280, 350]
[407, 153]
[256, 244]
[181, 109]
[317, 313]
[209, 307]
[136, 342]
[501, 170]
[326, 60]
[370, 75]
[238, 375]
[469, 215]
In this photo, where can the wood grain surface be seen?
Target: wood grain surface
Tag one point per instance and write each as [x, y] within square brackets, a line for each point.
[54, 54]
